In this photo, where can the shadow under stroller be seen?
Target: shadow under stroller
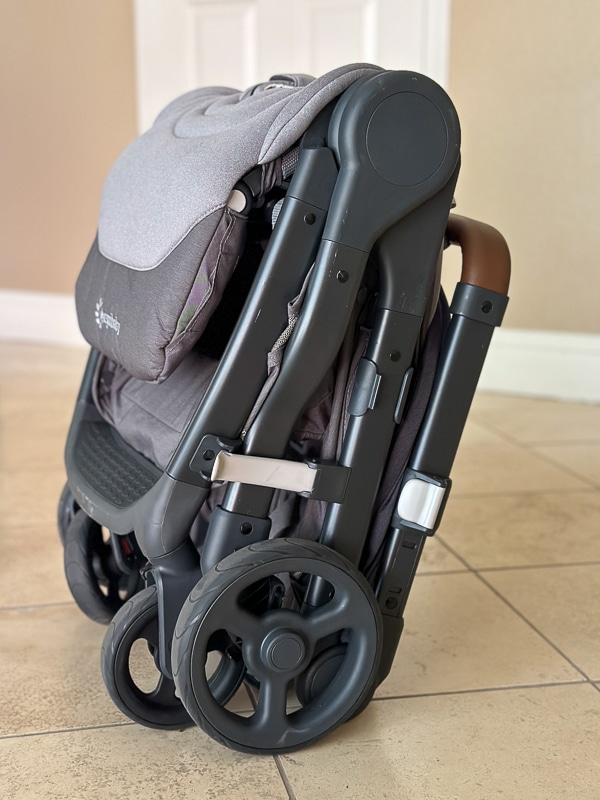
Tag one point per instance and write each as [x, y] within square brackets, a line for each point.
[274, 398]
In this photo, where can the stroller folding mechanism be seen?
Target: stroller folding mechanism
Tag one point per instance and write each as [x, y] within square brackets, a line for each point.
[274, 398]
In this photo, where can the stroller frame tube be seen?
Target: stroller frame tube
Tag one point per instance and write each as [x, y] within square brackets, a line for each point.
[372, 165]
[477, 307]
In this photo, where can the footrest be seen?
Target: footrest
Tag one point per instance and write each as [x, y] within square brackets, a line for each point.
[111, 467]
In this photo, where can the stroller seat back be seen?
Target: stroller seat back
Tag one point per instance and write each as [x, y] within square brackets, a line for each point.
[144, 299]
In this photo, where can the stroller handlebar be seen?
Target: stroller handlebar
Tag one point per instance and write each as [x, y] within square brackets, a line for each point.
[486, 257]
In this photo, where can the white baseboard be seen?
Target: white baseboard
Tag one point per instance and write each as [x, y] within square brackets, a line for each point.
[39, 317]
[564, 366]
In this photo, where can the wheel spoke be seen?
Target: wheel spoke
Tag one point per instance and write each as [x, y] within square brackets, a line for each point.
[270, 719]
[150, 634]
[237, 621]
[113, 583]
[164, 693]
[331, 618]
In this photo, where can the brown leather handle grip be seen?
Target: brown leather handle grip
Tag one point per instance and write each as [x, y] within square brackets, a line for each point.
[485, 254]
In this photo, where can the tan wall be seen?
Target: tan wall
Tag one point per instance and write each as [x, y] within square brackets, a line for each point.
[67, 98]
[525, 77]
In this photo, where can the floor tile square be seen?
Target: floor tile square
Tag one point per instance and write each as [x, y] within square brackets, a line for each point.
[50, 663]
[563, 603]
[30, 497]
[459, 636]
[538, 743]
[523, 529]
[130, 762]
[487, 464]
[437, 558]
[34, 438]
[529, 420]
[583, 460]
[31, 569]
[39, 361]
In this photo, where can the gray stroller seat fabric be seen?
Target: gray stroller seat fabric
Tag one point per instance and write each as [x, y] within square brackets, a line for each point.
[152, 418]
[167, 240]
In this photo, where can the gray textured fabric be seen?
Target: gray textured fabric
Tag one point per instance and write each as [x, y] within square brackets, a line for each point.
[137, 318]
[275, 355]
[152, 417]
[167, 243]
[184, 167]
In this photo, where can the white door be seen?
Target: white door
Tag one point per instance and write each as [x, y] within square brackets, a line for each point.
[182, 44]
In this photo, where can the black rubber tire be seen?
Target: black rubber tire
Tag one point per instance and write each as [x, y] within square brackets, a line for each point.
[67, 508]
[98, 587]
[201, 616]
[138, 619]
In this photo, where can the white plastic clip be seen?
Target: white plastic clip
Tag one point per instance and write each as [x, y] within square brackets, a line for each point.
[420, 503]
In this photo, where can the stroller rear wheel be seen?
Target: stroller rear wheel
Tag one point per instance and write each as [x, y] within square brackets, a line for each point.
[280, 646]
[98, 584]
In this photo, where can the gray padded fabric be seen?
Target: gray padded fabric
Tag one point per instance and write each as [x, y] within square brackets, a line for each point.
[184, 167]
[148, 305]
[152, 417]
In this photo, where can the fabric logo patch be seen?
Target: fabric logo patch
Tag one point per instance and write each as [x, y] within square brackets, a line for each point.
[106, 320]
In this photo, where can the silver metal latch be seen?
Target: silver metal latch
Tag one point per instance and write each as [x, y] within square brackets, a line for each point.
[276, 473]
[319, 481]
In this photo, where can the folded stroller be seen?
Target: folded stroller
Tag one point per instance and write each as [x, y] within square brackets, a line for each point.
[274, 398]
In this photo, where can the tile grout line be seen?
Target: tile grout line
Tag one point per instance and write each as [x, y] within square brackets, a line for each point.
[575, 441]
[492, 428]
[589, 481]
[562, 443]
[284, 777]
[277, 758]
[585, 489]
[77, 729]
[593, 563]
[432, 573]
[518, 613]
[33, 606]
[488, 689]
[533, 627]
[528, 447]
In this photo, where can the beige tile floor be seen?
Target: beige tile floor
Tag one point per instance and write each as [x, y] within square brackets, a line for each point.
[495, 690]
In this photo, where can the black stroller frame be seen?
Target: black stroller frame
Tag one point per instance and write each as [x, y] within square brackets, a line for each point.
[375, 181]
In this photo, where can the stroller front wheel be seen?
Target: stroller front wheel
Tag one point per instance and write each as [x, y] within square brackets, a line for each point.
[130, 670]
[337, 645]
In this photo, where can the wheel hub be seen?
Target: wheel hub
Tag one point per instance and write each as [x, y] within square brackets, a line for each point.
[283, 650]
